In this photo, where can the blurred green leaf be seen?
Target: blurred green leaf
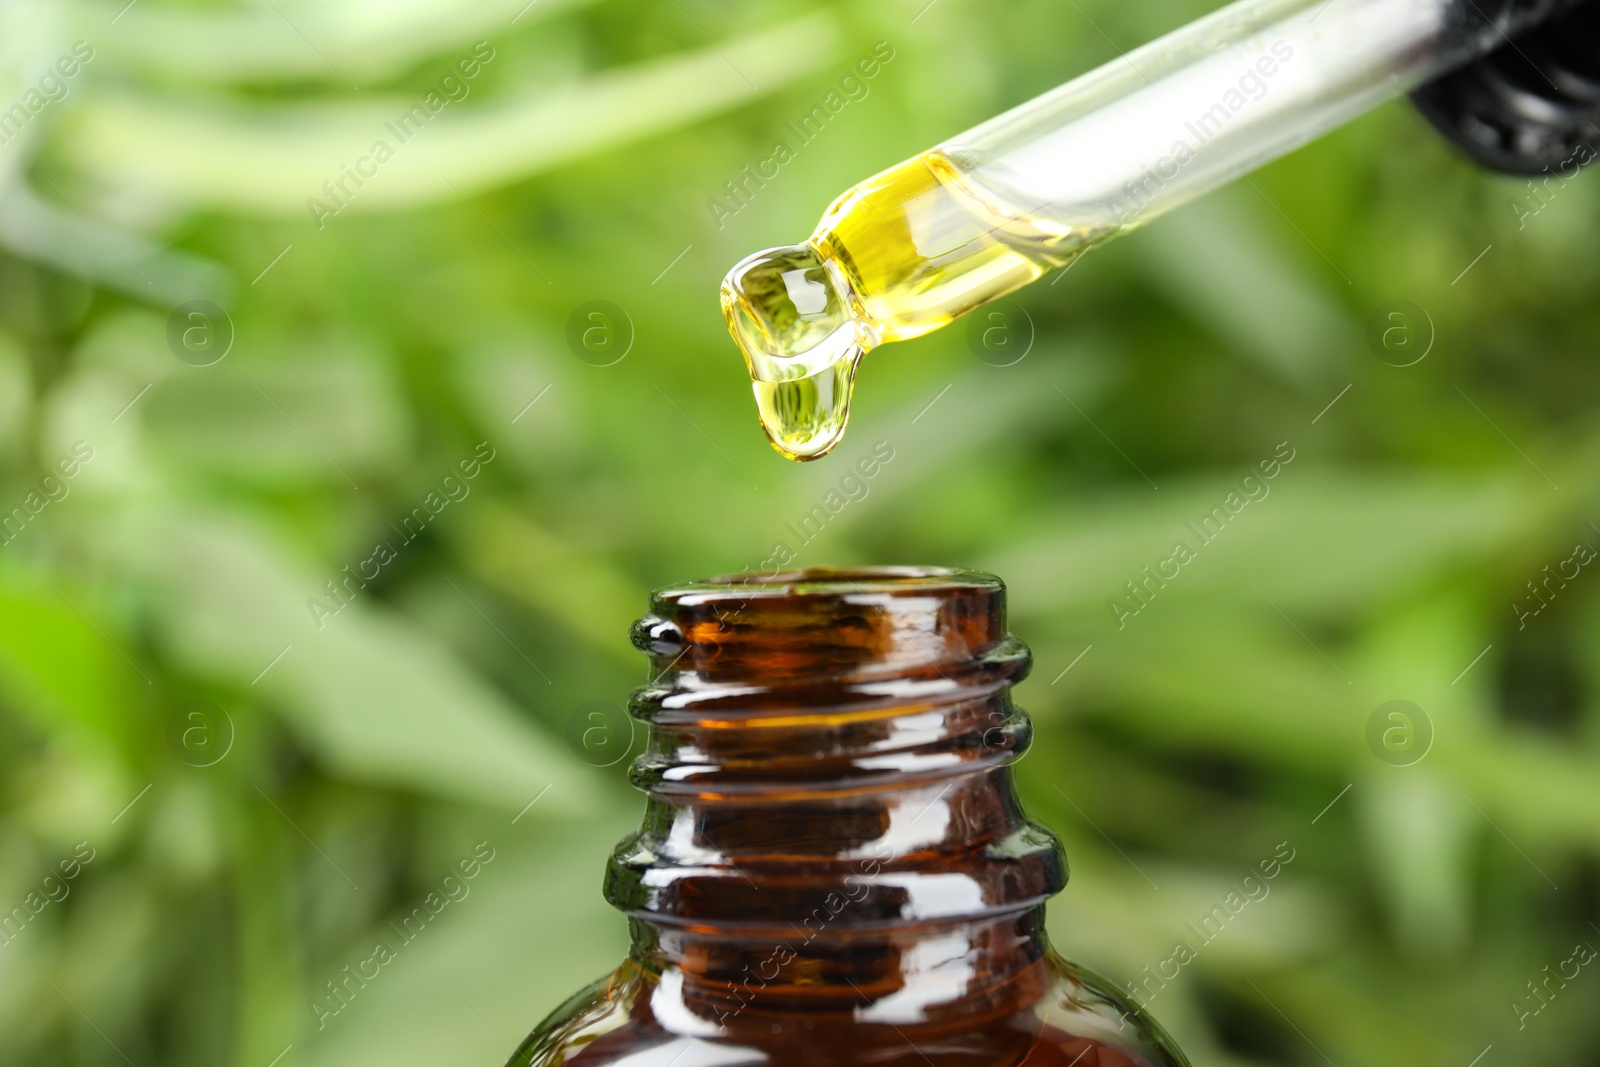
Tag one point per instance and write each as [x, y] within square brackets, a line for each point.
[373, 698]
[275, 160]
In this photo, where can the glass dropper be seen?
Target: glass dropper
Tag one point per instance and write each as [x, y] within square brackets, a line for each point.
[992, 209]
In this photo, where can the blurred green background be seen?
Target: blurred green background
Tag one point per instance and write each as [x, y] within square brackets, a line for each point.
[248, 800]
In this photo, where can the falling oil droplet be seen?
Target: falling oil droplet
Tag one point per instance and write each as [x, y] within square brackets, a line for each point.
[805, 417]
[802, 341]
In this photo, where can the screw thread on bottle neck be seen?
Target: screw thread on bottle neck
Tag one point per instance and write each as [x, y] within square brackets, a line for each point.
[830, 783]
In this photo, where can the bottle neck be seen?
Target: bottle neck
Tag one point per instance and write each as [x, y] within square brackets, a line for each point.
[901, 974]
[831, 810]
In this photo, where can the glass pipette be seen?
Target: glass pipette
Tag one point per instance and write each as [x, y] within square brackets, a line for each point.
[992, 209]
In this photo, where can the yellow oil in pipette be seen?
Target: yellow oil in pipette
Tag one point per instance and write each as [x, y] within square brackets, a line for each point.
[895, 257]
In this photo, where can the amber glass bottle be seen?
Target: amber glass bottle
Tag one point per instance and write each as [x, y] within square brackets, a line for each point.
[834, 868]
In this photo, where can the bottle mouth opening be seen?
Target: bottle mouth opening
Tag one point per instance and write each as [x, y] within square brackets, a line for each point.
[831, 582]
[821, 625]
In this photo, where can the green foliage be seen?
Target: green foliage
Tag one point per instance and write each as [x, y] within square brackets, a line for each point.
[377, 732]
